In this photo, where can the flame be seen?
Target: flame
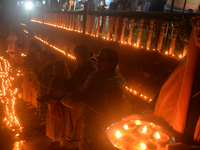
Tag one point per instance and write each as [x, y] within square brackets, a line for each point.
[118, 134]
[143, 146]
[157, 135]
[126, 127]
[144, 130]
[137, 122]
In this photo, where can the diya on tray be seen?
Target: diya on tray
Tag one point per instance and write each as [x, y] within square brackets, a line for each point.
[138, 135]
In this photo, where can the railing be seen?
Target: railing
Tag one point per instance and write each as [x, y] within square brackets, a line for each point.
[119, 26]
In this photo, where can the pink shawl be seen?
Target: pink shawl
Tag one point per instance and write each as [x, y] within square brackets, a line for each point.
[174, 98]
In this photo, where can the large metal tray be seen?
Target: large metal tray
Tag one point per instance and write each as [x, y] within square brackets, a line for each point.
[135, 126]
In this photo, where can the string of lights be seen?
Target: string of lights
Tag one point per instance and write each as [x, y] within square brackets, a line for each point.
[72, 57]
[7, 97]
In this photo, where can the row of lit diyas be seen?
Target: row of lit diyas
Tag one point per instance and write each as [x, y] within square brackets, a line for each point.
[7, 97]
[122, 42]
[72, 57]
[61, 27]
[140, 136]
[134, 45]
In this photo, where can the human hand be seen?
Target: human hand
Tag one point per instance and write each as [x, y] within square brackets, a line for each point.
[133, 117]
[143, 115]
[178, 146]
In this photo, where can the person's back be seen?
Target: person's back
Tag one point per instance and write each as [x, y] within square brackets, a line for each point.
[113, 5]
[157, 6]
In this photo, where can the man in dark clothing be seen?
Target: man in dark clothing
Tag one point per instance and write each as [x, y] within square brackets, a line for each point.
[113, 5]
[157, 6]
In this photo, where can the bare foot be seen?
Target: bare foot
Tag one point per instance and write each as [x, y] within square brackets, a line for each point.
[51, 144]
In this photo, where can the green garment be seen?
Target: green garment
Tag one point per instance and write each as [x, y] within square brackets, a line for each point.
[80, 75]
[44, 78]
[77, 82]
[109, 100]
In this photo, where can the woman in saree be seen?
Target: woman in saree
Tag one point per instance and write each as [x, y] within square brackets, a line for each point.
[44, 76]
[30, 86]
[85, 65]
[177, 104]
[55, 113]
[105, 102]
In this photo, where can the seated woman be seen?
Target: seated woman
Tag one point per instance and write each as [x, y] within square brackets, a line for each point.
[105, 102]
[177, 104]
[85, 65]
[55, 115]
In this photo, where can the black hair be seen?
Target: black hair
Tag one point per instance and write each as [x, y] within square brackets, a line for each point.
[112, 55]
[82, 50]
[63, 65]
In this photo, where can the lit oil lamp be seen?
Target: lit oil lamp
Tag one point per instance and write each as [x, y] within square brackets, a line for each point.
[161, 138]
[129, 127]
[144, 131]
[150, 145]
[128, 141]
[118, 134]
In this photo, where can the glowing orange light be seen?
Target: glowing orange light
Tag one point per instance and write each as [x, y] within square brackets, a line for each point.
[143, 146]
[144, 130]
[118, 134]
[157, 135]
[126, 127]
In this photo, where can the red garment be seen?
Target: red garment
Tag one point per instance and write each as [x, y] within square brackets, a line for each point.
[174, 98]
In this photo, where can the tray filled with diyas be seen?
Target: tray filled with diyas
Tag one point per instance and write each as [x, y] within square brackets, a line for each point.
[139, 135]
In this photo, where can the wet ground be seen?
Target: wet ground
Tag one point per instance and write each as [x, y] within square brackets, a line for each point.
[33, 134]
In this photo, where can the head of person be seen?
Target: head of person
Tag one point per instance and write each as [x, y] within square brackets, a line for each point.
[43, 55]
[101, 3]
[60, 67]
[33, 46]
[82, 54]
[107, 60]
[51, 58]
[195, 22]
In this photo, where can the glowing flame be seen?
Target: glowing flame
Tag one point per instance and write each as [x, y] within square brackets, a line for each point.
[143, 146]
[137, 122]
[157, 135]
[118, 134]
[126, 127]
[144, 130]
[180, 56]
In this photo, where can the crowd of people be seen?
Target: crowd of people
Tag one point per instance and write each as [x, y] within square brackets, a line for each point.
[77, 107]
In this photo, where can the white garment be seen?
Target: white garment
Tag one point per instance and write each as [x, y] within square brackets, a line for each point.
[11, 43]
